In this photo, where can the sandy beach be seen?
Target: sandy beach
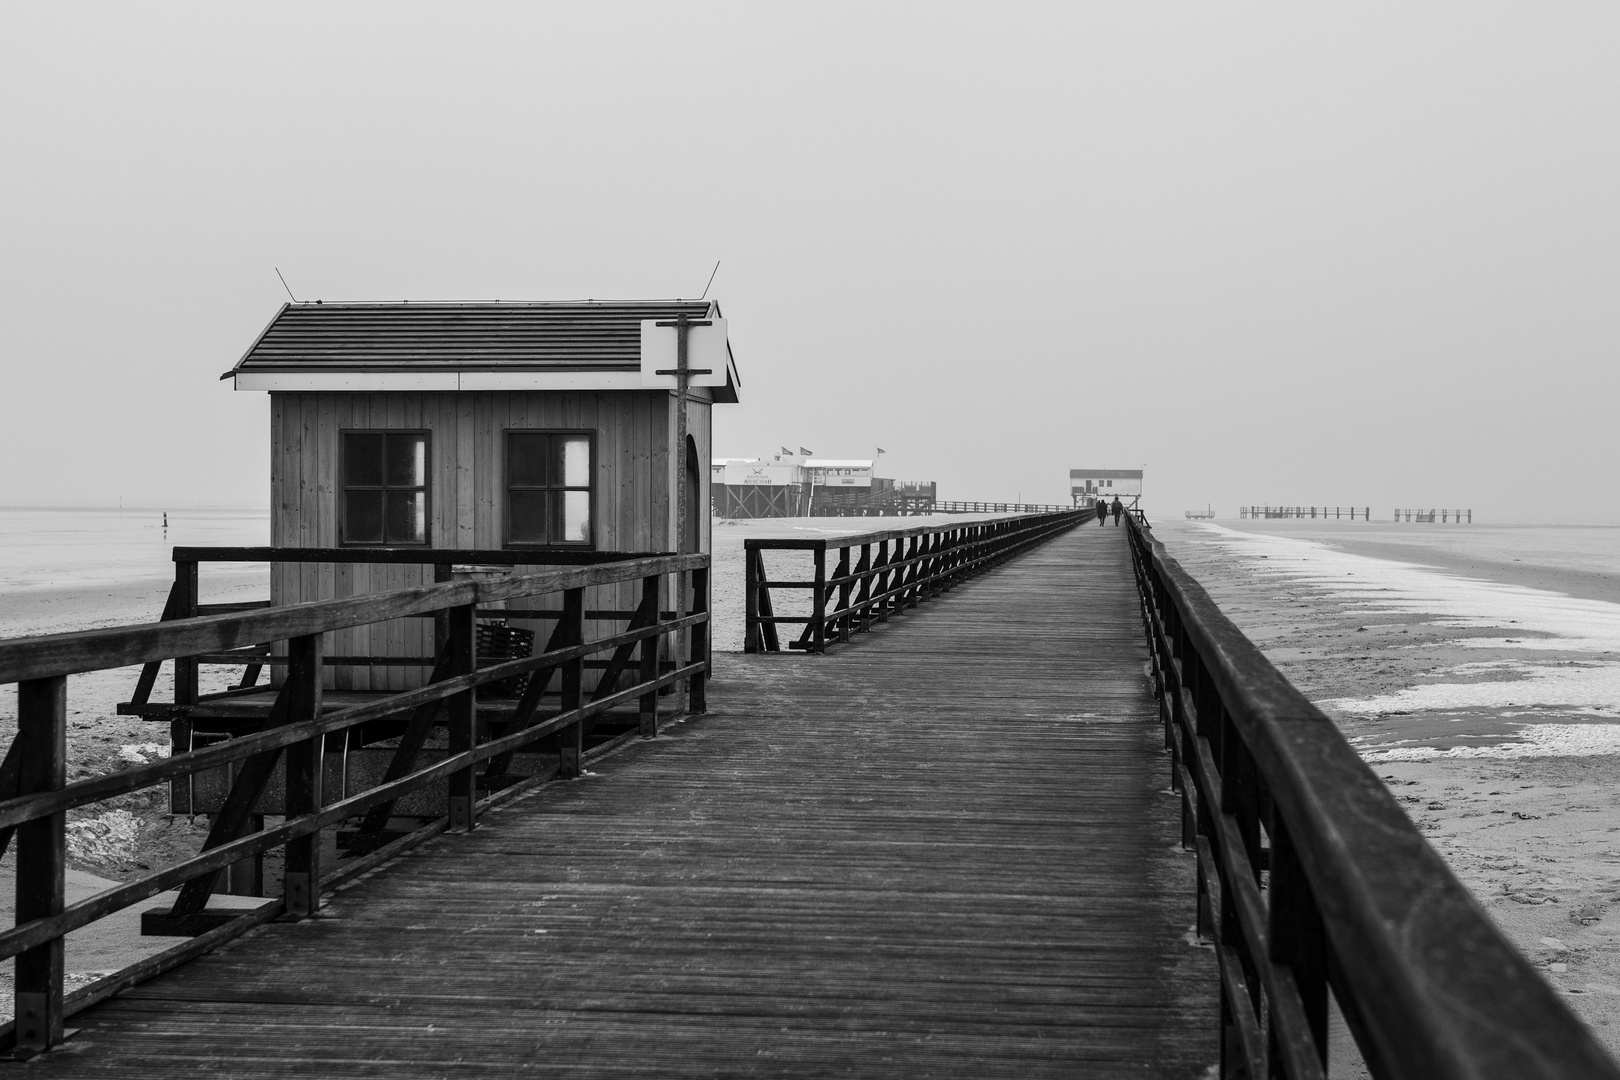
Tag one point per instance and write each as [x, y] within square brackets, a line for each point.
[1478, 670]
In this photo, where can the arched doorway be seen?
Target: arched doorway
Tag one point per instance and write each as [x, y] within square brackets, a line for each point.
[697, 500]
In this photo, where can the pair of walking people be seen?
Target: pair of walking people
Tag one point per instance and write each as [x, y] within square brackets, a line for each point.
[1103, 509]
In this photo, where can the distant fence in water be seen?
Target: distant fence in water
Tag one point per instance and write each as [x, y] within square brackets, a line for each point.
[1446, 517]
[1351, 512]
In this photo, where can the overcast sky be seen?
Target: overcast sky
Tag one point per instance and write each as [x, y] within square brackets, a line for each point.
[1289, 253]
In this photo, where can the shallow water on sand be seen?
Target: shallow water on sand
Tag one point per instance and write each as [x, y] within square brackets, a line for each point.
[75, 548]
[1505, 669]
[77, 569]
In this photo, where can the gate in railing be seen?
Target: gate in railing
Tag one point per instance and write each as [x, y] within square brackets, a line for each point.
[1312, 881]
[893, 570]
[35, 795]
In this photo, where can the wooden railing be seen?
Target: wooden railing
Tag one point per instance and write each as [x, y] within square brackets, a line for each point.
[183, 603]
[35, 795]
[1312, 881]
[941, 506]
[880, 573]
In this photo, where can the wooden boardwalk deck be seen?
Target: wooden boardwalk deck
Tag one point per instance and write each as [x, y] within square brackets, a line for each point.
[942, 850]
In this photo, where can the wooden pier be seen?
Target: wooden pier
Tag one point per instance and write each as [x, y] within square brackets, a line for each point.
[954, 846]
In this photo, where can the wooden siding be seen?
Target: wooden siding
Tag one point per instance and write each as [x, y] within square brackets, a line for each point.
[632, 506]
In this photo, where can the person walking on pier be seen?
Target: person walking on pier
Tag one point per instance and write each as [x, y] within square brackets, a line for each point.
[1118, 508]
[1102, 511]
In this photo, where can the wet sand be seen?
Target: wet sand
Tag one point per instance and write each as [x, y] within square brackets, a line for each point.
[1481, 686]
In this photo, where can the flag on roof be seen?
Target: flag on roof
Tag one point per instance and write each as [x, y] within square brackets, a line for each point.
[805, 452]
[881, 450]
[786, 451]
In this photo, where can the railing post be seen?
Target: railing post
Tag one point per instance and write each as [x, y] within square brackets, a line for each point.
[884, 603]
[818, 598]
[697, 685]
[41, 861]
[461, 715]
[302, 877]
[649, 656]
[914, 571]
[864, 592]
[1296, 939]
[751, 580]
[185, 668]
[571, 740]
[845, 585]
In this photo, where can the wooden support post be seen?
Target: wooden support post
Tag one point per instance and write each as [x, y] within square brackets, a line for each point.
[845, 585]
[571, 740]
[41, 861]
[1296, 938]
[753, 574]
[461, 715]
[185, 668]
[697, 686]
[864, 592]
[884, 603]
[442, 573]
[818, 604]
[301, 883]
[649, 657]
[766, 611]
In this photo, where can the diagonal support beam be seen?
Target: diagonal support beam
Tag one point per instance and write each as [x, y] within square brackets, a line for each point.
[298, 695]
[416, 732]
[646, 615]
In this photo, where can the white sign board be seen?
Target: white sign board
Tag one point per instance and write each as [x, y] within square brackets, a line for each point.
[762, 473]
[705, 348]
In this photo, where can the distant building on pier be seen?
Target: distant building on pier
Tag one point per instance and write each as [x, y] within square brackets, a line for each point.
[1087, 486]
[799, 485]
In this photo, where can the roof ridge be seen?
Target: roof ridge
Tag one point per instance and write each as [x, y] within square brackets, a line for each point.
[302, 304]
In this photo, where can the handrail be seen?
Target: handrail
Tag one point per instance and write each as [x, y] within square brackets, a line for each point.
[420, 555]
[48, 655]
[35, 795]
[924, 561]
[1311, 878]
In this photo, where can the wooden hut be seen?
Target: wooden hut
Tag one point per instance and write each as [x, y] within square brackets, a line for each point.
[528, 427]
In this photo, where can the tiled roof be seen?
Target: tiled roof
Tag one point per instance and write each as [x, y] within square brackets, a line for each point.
[495, 337]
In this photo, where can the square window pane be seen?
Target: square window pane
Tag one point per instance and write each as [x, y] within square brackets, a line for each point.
[526, 459]
[577, 517]
[363, 460]
[576, 461]
[363, 517]
[528, 519]
[407, 517]
[407, 460]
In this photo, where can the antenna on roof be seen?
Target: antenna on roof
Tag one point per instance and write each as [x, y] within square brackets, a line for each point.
[716, 270]
[284, 284]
